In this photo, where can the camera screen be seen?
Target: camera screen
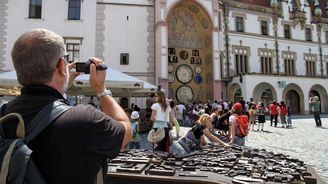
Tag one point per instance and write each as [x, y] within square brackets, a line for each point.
[79, 67]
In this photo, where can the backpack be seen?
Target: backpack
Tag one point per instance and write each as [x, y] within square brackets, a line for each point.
[242, 121]
[17, 166]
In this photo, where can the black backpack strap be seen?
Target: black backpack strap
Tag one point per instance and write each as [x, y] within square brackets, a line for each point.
[44, 118]
[2, 108]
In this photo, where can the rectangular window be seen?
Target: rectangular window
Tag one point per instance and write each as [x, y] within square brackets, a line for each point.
[35, 9]
[239, 24]
[310, 68]
[289, 67]
[326, 35]
[287, 31]
[124, 59]
[74, 10]
[264, 27]
[327, 68]
[73, 49]
[241, 62]
[266, 65]
[308, 35]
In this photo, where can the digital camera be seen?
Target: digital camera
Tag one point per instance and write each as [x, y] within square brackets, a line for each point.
[84, 67]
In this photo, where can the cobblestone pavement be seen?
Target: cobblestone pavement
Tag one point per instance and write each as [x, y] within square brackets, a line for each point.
[303, 141]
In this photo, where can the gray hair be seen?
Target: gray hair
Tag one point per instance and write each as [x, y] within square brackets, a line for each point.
[35, 56]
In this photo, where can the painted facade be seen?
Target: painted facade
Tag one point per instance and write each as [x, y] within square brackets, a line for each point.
[197, 50]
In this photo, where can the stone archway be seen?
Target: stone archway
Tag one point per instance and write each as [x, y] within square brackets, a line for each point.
[318, 90]
[190, 60]
[294, 97]
[264, 92]
[235, 92]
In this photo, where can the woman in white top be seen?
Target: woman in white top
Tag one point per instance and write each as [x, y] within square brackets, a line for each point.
[161, 117]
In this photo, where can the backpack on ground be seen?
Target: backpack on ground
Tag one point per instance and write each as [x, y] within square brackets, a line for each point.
[242, 121]
[17, 166]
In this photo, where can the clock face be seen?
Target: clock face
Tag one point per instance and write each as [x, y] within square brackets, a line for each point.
[198, 69]
[171, 68]
[184, 55]
[185, 94]
[184, 74]
[198, 79]
[171, 77]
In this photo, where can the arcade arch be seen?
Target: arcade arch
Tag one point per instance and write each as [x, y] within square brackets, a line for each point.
[264, 92]
[318, 90]
[294, 97]
[235, 92]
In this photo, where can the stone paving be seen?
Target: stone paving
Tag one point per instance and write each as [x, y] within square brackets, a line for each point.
[303, 141]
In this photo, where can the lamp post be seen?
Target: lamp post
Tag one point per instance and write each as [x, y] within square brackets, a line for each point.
[274, 4]
[318, 14]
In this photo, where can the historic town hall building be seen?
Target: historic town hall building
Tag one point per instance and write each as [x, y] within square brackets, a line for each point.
[197, 50]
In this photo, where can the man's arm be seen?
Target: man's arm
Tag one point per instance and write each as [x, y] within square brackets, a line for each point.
[114, 110]
[107, 102]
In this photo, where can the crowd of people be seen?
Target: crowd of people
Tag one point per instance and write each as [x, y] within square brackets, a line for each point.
[75, 147]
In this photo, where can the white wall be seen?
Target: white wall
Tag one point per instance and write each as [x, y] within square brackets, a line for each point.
[126, 32]
[54, 18]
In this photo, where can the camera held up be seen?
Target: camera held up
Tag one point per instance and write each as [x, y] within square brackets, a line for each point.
[84, 67]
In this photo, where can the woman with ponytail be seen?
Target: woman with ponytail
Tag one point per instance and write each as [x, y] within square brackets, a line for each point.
[161, 117]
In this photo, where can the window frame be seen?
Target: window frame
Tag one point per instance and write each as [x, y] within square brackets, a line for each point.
[74, 11]
[308, 34]
[35, 9]
[266, 27]
[126, 56]
[289, 66]
[287, 32]
[310, 68]
[266, 65]
[72, 52]
[239, 24]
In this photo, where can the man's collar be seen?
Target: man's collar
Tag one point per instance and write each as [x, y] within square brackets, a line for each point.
[41, 90]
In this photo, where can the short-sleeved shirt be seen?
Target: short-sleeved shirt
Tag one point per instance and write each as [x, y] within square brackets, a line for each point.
[180, 108]
[74, 146]
[233, 120]
[161, 116]
[273, 109]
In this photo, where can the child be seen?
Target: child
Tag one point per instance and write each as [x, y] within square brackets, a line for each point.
[135, 141]
[252, 113]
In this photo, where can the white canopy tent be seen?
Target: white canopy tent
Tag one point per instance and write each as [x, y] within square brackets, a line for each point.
[119, 83]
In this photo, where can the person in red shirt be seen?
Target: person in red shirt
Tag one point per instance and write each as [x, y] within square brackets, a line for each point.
[274, 113]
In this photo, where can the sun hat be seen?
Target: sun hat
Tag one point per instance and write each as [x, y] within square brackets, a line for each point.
[135, 115]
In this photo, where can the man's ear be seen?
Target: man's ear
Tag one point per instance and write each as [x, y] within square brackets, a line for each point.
[62, 67]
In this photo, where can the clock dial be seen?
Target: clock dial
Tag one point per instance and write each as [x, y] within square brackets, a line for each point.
[198, 69]
[171, 77]
[184, 74]
[171, 68]
[185, 94]
[184, 55]
[198, 79]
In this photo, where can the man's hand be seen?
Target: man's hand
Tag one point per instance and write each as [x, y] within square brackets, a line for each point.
[97, 77]
[72, 73]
